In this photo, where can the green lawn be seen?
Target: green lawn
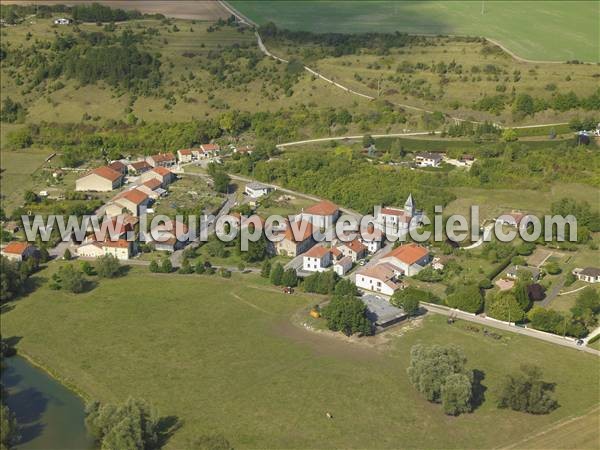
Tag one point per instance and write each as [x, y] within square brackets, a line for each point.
[222, 354]
[509, 22]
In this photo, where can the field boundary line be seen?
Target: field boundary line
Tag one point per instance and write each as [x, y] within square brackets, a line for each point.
[551, 428]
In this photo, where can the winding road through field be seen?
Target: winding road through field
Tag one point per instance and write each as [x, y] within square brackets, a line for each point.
[247, 21]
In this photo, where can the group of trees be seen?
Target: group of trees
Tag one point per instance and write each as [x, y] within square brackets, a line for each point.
[281, 277]
[409, 299]
[13, 276]
[525, 105]
[132, 425]
[526, 391]
[582, 317]
[12, 112]
[439, 373]
[347, 313]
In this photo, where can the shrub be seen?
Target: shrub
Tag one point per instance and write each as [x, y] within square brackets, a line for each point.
[347, 314]
[526, 392]
[466, 298]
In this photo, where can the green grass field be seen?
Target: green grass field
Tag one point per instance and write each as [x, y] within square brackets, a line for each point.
[222, 355]
[527, 28]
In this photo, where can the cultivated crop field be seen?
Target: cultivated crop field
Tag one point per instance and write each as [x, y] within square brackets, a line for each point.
[528, 29]
[222, 355]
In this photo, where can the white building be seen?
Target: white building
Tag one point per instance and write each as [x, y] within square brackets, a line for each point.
[427, 159]
[342, 265]
[382, 277]
[397, 221]
[62, 21]
[256, 190]
[372, 238]
[317, 259]
[589, 274]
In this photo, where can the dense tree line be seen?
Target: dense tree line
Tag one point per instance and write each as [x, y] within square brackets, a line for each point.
[347, 313]
[13, 276]
[338, 44]
[525, 105]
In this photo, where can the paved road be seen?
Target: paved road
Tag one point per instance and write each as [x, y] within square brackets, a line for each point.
[554, 339]
[554, 292]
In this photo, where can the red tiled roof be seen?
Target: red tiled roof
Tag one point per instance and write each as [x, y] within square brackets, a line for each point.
[318, 251]
[153, 183]
[409, 253]
[135, 196]
[335, 251]
[298, 226]
[106, 172]
[210, 147]
[162, 171]
[119, 243]
[138, 165]
[160, 157]
[323, 208]
[16, 248]
[356, 246]
[185, 151]
[118, 166]
[392, 211]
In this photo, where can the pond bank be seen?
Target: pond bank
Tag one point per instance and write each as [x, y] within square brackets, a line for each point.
[50, 415]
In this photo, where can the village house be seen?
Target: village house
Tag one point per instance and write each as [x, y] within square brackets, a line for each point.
[161, 160]
[342, 266]
[588, 274]
[101, 179]
[162, 174]
[322, 215]
[256, 190]
[19, 251]
[427, 159]
[169, 236]
[133, 200]
[292, 245]
[118, 166]
[354, 249]
[514, 271]
[372, 238]
[91, 249]
[152, 188]
[382, 277]
[316, 259]
[121, 249]
[408, 258]
[138, 167]
[185, 155]
[209, 150]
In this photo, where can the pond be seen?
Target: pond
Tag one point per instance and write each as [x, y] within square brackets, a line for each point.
[50, 415]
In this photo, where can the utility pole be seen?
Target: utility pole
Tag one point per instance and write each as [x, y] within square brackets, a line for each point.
[482, 7]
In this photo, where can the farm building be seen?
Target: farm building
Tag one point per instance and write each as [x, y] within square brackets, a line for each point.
[409, 259]
[102, 179]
